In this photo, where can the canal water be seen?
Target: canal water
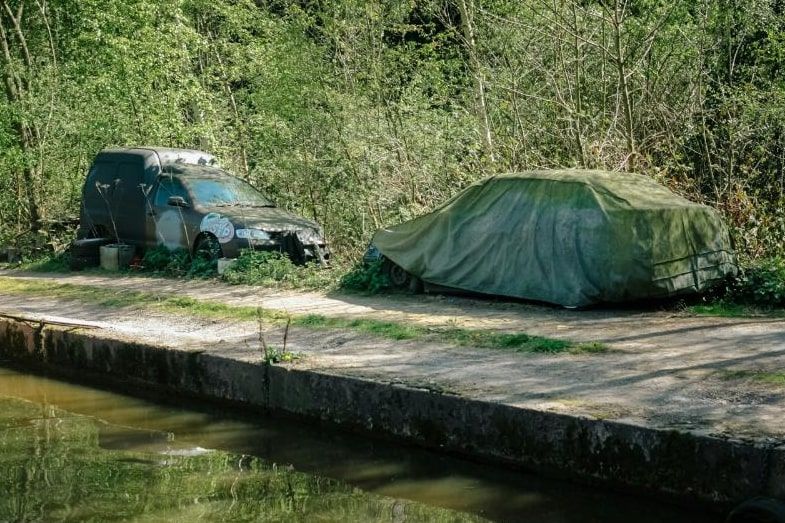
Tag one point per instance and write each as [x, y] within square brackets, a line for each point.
[74, 453]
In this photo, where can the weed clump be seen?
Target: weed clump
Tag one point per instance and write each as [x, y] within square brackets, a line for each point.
[758, 289]
[269, 354]
[366, 277]
[273, 268]
[755, 376]
[761, 283]
[160, 260]
[53, 262]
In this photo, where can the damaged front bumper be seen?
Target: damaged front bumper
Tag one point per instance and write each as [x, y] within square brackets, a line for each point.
[300, 246]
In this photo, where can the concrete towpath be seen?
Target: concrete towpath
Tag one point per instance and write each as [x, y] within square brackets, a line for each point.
[719, 376]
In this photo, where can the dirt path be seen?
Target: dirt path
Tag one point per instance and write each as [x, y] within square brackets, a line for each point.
[666, 370]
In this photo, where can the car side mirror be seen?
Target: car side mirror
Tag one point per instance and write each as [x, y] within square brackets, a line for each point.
[177, 201]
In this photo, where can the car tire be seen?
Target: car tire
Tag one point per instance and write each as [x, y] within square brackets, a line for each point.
[88, 246]
[758, 510]
[86, 253]
[397, 275]
[416, 285]
[208, 248]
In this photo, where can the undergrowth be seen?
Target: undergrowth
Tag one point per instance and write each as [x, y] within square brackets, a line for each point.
[162, 261]
[366, 277]
[276, 269]
[48, 263]
[269, 269]
[758, 289]
[761, 283]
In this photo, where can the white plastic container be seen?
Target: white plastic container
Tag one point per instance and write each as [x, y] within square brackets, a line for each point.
[225, 263]
[116, 256]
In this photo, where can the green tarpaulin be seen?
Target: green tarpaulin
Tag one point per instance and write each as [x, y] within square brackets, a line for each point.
[568, 237]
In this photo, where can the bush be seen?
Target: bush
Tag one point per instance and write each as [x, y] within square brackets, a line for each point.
[177, 262]
[761, 283]
[276, 269]
[47, 263]
[369, 277]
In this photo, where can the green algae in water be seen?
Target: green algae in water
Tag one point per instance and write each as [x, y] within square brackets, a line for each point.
[55, 465]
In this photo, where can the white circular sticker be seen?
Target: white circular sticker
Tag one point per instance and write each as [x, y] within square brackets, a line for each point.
[220, 226]
[169, 230]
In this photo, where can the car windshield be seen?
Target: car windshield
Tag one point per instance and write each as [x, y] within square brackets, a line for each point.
[226, 192]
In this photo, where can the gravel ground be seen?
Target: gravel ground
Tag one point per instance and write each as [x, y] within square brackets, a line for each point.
[665, 370]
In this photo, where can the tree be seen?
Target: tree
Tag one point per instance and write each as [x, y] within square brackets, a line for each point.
[24, 32]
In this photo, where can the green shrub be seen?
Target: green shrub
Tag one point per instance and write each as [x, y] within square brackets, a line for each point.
[202, 268]
[50, 262]
[177, 262]
[363, 277]
[160, 259]
[156, 259]
[762, 282]
[276, 269]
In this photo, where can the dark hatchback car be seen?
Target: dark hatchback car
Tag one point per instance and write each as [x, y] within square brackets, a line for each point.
[181, 199]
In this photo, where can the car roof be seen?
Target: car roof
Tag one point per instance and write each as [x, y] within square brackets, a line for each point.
[195, 171]
[638, 191]
[165, 155]
[582, 176]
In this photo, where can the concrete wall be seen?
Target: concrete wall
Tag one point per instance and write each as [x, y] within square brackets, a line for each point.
[681, 466]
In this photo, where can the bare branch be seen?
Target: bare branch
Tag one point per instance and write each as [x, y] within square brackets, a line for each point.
[17, 22]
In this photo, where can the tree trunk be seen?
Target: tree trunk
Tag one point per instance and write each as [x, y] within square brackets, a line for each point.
[466, 8]
[16, 89]
[623, 88]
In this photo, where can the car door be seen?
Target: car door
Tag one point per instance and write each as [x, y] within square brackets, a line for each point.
[128, 201]
[170, 215]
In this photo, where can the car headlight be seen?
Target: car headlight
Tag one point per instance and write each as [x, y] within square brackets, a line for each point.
[252, 234]
[372, 255]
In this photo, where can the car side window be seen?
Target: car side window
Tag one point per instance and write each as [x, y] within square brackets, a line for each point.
[168, 187]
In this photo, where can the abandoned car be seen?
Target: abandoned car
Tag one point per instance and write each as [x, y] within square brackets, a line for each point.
[572, 238]
[181, 199]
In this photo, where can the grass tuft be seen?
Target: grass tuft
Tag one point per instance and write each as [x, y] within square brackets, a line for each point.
[758, 376]
[589, 348]
[59, 263]
[727, 309]
[518, 342]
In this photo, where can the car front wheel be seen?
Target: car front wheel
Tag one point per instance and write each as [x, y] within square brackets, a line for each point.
[397, 275]
[208, 248]
[401, 279]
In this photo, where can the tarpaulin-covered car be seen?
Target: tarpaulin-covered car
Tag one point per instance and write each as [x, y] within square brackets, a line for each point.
[573, 238]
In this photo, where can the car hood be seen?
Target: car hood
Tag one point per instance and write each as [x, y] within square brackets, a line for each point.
[269, 219]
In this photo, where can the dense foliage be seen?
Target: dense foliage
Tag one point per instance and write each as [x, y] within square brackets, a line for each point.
[271, 269]
[761, 284]
[360, 113]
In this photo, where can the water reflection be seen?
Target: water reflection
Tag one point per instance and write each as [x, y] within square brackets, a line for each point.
[72, 453]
